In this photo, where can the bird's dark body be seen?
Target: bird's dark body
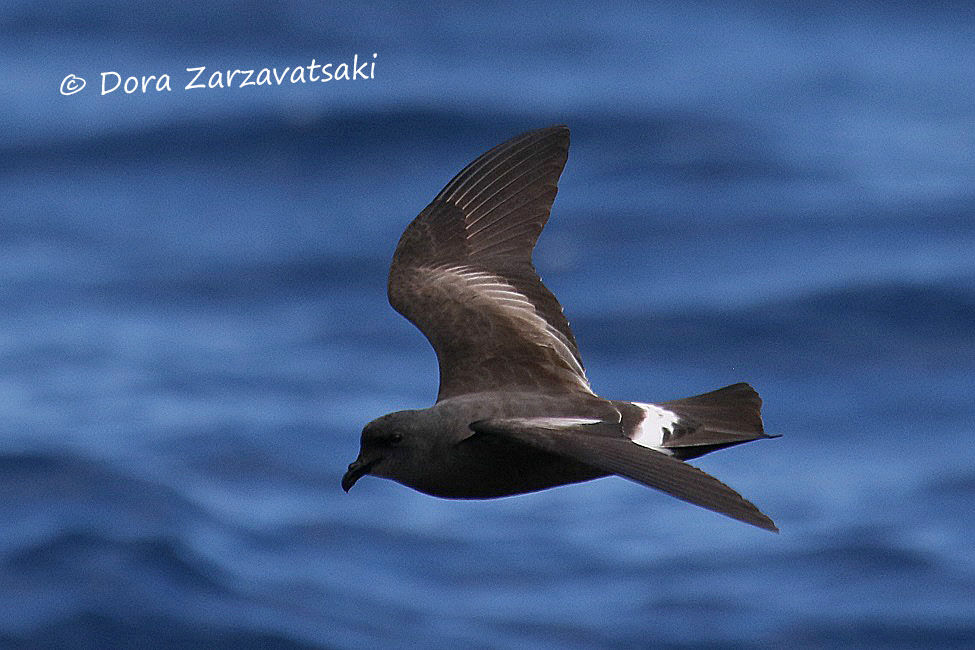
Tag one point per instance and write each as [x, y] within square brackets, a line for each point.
[486, 467]
[515, 412]
[490, 467]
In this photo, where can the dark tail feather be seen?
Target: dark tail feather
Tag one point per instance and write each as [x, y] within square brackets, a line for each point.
[722, 418]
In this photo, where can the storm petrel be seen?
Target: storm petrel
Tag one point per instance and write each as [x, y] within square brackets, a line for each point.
[515, 412]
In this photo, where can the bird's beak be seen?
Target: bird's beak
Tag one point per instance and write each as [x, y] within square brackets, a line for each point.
[357, 470]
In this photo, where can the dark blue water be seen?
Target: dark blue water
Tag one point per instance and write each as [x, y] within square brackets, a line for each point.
[193, 324]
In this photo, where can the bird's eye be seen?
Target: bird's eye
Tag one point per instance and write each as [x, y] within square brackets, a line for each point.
[395, 438]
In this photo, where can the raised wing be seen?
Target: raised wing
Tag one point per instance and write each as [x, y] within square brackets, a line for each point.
[462, 273]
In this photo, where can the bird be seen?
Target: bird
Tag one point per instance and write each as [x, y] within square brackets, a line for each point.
[515, 412]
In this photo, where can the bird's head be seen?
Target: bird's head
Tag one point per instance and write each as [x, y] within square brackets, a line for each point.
[390, 447]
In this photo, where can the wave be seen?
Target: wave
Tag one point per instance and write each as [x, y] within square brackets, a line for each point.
[101, 629]
[889, 322]
[71, 557]
[83, 490]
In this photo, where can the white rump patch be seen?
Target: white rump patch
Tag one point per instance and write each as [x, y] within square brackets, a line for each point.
[650, 431]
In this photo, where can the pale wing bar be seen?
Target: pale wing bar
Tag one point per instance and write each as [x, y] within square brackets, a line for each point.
[491, 292]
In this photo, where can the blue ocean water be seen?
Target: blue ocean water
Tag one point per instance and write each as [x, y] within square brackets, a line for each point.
[193, 323]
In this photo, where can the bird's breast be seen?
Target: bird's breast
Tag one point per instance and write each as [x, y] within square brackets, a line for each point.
[483, 467]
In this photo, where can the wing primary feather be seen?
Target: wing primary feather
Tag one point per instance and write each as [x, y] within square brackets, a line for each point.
[482, 168]
[533, 174]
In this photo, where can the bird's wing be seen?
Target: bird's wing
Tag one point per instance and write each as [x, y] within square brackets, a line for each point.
[601, 445]
[462, 273]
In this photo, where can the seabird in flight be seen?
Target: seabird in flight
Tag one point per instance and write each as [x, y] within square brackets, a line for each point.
[515, 412]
